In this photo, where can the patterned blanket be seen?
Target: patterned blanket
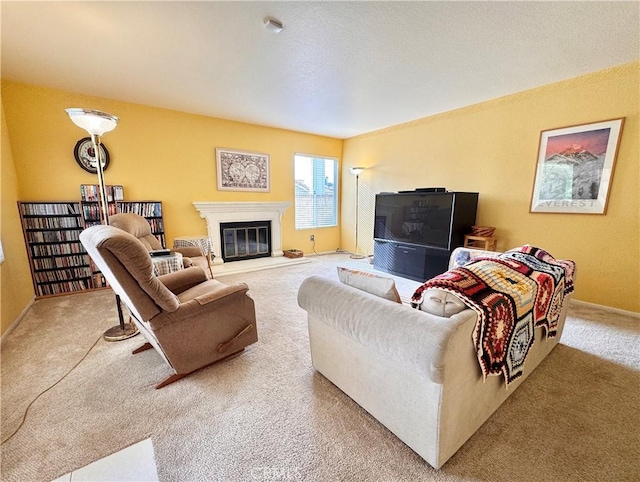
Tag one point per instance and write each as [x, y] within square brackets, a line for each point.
[513, 294]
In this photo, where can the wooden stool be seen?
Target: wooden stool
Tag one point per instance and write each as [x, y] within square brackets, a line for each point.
[487, 243]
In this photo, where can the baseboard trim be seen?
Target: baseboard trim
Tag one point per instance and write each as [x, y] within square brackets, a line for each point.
[17, 321]
[338, 251]
[610, 309]
[322, 253]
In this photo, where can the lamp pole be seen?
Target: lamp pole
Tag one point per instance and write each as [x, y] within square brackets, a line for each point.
[96, 123]
[357, 171]
[104, 206]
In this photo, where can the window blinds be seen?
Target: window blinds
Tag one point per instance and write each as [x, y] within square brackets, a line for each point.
[316, 197]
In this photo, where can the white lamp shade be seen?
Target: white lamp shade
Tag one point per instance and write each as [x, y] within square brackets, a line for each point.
[93, 121]
[356, 171]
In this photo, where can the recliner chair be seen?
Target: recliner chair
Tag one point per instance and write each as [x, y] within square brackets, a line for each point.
[190, 320]
[139, 227]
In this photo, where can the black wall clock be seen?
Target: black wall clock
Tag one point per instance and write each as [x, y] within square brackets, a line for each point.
[86, 158]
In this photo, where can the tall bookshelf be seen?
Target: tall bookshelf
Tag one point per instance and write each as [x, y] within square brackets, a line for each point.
[59, 264]
[150, 210]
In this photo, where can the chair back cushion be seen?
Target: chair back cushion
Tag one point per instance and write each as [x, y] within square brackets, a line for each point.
[126, 264]
[137, 226]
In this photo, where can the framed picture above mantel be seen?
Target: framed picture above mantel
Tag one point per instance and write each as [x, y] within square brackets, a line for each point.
[575, 168]
[242, 170]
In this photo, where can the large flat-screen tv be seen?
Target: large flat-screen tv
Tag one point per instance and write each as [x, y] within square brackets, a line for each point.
[417, 218]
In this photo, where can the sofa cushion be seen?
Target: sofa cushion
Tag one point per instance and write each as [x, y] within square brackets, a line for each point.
[441, 303]
[369, 282]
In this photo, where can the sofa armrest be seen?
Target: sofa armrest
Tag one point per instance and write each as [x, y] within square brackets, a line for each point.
[182, 280]
[221, 292]
[212, 297]
[396, 331]
[189, 252]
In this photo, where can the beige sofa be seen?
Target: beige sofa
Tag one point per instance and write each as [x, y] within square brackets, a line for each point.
[415, 372]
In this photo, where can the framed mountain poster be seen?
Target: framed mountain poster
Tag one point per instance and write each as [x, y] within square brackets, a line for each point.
[575, 168]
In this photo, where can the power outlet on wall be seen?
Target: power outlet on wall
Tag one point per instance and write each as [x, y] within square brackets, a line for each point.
[312, 237]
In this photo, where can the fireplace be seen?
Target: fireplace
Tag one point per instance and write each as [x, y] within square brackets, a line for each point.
[218, 213]
[245, 240]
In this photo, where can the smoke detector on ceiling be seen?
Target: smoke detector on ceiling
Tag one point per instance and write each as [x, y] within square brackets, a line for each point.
[273, 25]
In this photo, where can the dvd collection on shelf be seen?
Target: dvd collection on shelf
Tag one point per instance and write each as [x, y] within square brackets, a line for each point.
[146, 209]
[91, 192]
[57, 222]
[89, 201]
[34, 236]
[91, 212]
[58, 261]
[37, 209]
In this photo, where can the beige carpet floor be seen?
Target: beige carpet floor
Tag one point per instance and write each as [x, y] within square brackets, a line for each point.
[267, 415]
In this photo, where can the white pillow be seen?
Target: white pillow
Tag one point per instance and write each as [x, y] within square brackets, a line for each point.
[369, 282]
[442, 303]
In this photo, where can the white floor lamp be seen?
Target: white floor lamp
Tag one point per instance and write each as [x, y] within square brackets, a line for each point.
[96, 123]
[356, 171]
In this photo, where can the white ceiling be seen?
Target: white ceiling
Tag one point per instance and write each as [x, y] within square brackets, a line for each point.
[337, 69]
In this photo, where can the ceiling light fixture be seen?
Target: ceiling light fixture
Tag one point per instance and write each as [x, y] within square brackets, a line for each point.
[273, 25]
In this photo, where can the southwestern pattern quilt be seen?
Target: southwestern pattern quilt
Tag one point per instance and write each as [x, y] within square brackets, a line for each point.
[513, 294]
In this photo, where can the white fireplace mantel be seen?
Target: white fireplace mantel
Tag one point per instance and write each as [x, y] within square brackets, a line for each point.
[228, 212]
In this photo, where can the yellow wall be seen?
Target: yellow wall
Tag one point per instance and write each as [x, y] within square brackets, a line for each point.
[156, 154]
[492, 148]
[16, 288]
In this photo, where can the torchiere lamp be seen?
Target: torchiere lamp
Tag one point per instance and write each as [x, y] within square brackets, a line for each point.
[356, 171]
[97, 123]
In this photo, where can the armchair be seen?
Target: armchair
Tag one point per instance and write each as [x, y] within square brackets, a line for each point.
[139, 227]
[190, 320]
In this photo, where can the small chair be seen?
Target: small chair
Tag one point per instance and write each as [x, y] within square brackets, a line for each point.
[139, 227]
[190, 320]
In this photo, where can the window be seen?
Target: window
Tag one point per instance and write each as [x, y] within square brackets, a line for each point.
[316, 191]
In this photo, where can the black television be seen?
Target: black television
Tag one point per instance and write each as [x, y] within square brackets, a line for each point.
[424, 219]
